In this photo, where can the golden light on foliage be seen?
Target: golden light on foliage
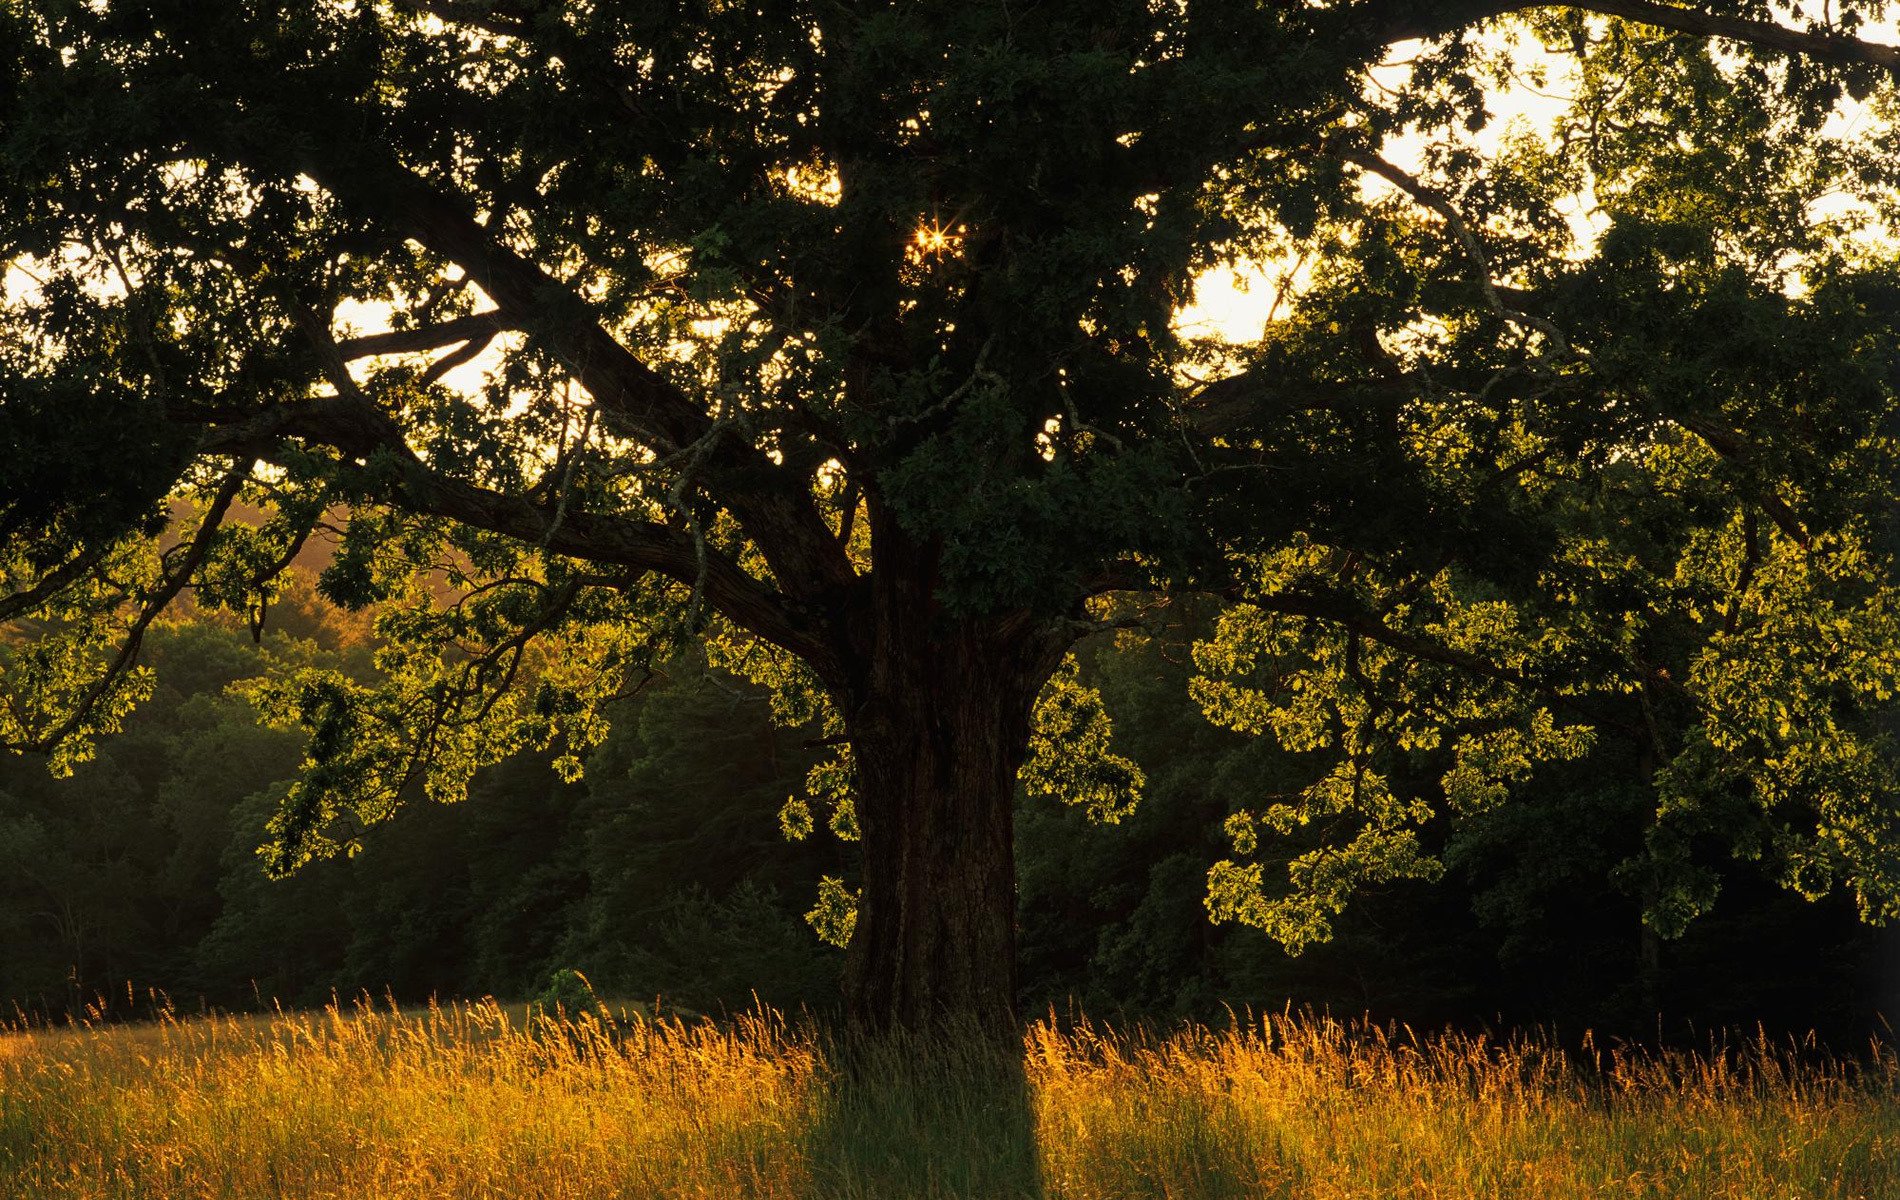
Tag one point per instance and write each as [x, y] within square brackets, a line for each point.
[934, 240]
[818, 184]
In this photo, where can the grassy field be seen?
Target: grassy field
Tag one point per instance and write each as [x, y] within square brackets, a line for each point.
[476, 1100]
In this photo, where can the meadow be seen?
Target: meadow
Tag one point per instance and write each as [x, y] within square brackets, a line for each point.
[481, 1100]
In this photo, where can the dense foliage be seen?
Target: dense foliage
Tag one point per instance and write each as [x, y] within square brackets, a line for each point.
[663, 874]
[840, 341]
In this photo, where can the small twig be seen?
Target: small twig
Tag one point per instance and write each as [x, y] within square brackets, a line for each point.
[572, 455]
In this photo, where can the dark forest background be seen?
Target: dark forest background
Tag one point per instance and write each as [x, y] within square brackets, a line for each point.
[665, 874]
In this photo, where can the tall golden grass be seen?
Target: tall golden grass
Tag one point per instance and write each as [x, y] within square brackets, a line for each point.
[476, 1100]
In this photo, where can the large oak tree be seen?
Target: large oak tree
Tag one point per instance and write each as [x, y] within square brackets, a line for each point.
[844, 336]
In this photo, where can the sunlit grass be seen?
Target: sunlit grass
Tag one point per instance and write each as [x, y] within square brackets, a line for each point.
[477, 1100]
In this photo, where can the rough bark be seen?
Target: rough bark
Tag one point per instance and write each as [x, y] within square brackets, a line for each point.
[939, 728]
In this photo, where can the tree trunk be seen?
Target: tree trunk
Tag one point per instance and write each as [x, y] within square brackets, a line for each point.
[938, 731]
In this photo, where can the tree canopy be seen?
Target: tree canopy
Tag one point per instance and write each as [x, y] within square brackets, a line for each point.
[844, 337]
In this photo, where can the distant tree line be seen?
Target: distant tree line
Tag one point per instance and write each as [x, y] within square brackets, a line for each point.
[666, 873]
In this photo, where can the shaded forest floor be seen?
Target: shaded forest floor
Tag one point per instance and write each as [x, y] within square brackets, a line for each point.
[478, 1100]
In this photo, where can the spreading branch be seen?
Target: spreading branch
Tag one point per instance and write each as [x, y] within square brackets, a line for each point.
[181, 563]
[352, 425]
[51, 584]
[1354, 619]
[1431, 21]
[1441, 204]
[1227, 406]
[1737, 449]
[477, 327]
[773, 505]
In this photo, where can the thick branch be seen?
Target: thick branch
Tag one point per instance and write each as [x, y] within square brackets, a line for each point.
[467, 352]
[55, 581]
[1368, 625]
[618, 541]
[1227, 406]
[477, 326]
[1737, 449]
[636, 402]
[1439, 20]
[353, 426]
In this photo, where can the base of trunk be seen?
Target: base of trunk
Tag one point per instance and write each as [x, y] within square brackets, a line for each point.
[937, 745]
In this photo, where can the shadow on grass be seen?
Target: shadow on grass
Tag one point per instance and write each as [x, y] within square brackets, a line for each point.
[904, 1117]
